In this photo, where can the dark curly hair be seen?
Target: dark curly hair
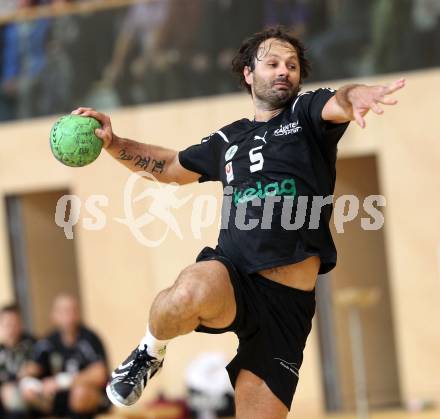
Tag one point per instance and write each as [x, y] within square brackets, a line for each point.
[248, 52]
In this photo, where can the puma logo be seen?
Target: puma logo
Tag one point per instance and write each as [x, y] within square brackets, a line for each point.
[263, 138]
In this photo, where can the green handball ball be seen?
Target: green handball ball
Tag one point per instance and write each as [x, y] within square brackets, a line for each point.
[73, 140]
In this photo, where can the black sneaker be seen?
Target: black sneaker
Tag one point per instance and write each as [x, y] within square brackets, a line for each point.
[130, 378]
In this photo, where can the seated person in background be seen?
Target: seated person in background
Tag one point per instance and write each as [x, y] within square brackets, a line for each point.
[15, 350]
[69, 366]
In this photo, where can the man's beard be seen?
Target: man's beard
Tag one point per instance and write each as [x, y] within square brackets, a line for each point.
[275, 98]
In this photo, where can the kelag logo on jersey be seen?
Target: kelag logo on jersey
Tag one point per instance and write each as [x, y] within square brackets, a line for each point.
[287, 187]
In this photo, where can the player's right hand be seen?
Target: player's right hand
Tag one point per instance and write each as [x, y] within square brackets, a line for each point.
[105, 133]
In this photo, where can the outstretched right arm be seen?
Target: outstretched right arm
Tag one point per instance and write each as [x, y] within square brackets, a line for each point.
[162, 162]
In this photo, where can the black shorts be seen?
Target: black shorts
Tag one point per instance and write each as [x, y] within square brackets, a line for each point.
[272, 325]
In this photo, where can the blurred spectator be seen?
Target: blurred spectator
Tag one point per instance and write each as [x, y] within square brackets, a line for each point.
[68, 372]
[426, 14]
[15, 350]
[172, 49]
[294, 16]
[23, 61]
[91, 51]
[347, 30]
[224, 25]
[7, 102]
[426, 23]
[57, 89]
[175, 66]
[135, 49]
[389, 20]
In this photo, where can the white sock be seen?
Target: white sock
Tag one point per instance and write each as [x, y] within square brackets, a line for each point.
[155, 347]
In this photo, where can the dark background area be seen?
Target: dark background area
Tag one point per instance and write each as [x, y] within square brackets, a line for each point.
[174, 49]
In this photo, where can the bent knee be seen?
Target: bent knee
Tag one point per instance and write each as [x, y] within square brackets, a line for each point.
[198, 281]
[205, 289]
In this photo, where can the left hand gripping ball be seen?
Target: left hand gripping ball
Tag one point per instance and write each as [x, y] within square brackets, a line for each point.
[73, 140]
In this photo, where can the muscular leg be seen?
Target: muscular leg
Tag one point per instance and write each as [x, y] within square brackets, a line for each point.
[202, 294]
[254, 400]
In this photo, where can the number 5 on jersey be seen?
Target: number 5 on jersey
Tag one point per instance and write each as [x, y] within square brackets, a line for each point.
[256, 157]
